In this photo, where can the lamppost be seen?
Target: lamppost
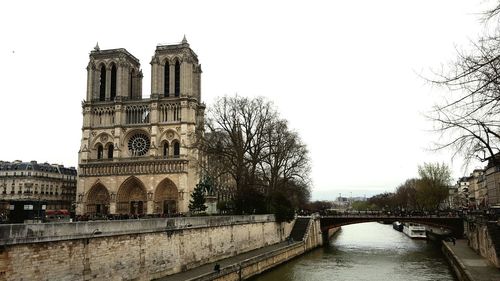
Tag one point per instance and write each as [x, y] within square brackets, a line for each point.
[86, 258]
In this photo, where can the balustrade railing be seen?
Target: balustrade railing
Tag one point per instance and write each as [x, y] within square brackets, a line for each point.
[137, 111]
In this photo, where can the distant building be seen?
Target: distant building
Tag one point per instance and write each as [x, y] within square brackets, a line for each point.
[492, 184]
[358, 198]
[24, 181]
[462, 197]
[452, 201]
[482, 191]
[477, 190]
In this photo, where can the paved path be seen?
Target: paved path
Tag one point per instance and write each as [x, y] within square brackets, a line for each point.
[478, 267]
[198, 271]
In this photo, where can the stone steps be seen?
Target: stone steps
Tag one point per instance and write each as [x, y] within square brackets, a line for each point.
[299, 229]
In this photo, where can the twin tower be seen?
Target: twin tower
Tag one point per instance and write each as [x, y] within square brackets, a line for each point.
[138, 155]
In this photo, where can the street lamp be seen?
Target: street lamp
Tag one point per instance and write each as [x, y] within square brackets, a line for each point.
[91, 235]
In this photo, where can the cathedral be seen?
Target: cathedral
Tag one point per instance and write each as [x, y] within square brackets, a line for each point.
[138, 155]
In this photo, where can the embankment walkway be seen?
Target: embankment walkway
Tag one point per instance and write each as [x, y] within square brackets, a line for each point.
[199, 272]
[471, 266]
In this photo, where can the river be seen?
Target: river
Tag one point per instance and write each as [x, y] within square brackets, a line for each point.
[367, 251]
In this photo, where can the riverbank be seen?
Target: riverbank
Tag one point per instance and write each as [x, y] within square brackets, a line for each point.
[234, 267]
[366, 252]
[467, 264]
[131, 249]
[246, 265]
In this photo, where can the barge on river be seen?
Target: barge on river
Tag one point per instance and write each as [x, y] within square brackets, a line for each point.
[414, 230]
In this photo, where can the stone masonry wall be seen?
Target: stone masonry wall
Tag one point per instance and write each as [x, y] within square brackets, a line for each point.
[134, 256]
[481, 241]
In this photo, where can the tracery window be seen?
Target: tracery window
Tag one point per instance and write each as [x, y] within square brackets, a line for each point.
[138, 144]
[102, 84]
[165, 149]
[137, 114]
[166, 80]
[170, 112]
[99, 151]
[177, 78]
[103, 116]
[113, 82]
[177, 149]
[131, 84]
[110, 151]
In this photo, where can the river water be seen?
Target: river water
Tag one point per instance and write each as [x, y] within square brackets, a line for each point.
[368, 251]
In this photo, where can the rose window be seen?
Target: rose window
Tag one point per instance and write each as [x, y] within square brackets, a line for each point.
[138, 144]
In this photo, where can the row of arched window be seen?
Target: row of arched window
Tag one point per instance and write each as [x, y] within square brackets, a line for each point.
[137, 114]
[177, 79]
[166, 151]
[102, 83]
[176, 152]
[109, 151]
[113, 81]
[170, 112]
[103, 116]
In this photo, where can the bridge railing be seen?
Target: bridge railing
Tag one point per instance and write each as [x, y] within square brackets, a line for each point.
[355, 215]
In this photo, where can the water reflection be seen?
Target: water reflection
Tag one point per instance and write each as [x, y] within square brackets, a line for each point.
[368, 251]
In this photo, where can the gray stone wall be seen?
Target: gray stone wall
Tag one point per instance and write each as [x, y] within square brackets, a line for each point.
[122, 252]
[483, 243]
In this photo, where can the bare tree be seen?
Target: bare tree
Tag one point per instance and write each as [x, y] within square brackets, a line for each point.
[285, 157]
[406, 195]
[469, 118]
[254, 147]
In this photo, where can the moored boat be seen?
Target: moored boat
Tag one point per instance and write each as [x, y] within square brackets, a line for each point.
[397, 226]
[437, 234]
[414, 230]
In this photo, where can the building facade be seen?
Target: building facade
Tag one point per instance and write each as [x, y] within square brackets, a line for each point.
[492, 184]
[477, 188]
[138, 155]
[31, 181]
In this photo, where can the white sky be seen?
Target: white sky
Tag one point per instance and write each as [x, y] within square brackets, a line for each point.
[344, 73]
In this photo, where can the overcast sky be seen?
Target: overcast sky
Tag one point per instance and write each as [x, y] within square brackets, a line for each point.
[344, 73]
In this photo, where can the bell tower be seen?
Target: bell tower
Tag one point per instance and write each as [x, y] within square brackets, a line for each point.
[138, 155]
[113, 75]
[176, 71]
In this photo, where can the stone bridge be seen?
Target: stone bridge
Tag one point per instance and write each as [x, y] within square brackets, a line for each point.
[455, 224]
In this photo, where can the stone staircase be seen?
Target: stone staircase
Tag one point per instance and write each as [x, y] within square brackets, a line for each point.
[300, 228]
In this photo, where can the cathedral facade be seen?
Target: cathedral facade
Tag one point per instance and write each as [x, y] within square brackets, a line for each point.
[138, 155]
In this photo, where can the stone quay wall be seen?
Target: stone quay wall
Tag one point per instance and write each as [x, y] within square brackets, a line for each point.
[459, 268]
[129, 249]
[258, 264]
[484, 238]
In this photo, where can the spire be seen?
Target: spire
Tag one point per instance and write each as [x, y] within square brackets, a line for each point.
[184, 40]
[96, 48]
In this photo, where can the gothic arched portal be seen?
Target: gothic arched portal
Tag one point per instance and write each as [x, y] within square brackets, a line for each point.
[98, 200]
[166, 197]
[131, 197]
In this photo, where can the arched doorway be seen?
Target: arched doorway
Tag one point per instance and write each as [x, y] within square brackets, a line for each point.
[98, 200]
[166, 198]
[131, 197]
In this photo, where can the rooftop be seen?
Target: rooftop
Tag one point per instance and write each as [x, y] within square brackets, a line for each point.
[35, 166]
